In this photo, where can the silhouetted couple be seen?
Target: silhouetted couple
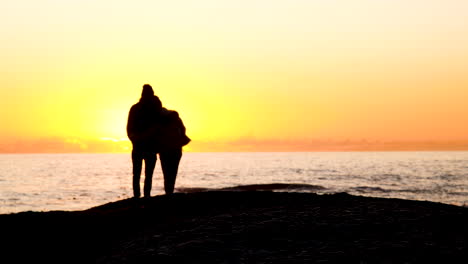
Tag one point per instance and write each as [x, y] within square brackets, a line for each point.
[154, 130]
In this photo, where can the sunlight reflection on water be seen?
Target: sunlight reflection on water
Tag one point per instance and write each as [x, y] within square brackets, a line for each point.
[80, 181]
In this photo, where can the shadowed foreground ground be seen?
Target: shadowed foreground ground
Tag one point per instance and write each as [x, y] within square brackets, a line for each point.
[242, 227]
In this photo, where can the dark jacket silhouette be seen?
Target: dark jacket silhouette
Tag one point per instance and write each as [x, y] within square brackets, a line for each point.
[170, 132]
[142, 120]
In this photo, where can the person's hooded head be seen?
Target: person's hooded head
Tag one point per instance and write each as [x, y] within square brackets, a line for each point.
[149, 99]
[147, 92]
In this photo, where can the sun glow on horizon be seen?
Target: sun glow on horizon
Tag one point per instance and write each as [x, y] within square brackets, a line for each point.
[243, 75]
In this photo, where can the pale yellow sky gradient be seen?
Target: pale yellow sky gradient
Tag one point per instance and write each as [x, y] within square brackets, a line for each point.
[239, 72]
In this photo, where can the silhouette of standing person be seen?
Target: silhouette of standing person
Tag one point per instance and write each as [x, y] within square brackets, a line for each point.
[171, 138]
[141, 121]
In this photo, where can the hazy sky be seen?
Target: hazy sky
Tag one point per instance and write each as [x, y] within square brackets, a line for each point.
[237, 71]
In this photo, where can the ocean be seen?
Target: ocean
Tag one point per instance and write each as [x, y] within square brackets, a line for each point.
[45, 182]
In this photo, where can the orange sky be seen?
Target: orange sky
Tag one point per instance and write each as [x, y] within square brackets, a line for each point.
[244, 75]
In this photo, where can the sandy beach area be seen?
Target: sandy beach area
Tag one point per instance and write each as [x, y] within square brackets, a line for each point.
[241, 227]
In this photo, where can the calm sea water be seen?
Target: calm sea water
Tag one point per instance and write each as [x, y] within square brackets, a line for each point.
[43, 182]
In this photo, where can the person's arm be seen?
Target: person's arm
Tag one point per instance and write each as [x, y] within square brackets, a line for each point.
[131, 124]
[181, 125]
[184, 138]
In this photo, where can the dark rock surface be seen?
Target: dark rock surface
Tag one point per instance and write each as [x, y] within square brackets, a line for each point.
[242, 227]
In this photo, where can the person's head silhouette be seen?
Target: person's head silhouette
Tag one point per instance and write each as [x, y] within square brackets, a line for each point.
[147, 91]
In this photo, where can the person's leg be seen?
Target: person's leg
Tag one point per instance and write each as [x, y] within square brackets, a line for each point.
[137, 160]
[150, 163]
[170, 165]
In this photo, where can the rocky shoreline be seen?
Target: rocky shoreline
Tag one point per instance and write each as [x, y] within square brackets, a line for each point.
[242, 227]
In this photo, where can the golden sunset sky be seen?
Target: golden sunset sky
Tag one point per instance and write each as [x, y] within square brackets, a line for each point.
[244, 75]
